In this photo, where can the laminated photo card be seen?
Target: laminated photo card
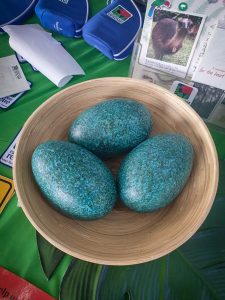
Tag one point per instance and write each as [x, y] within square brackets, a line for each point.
[211, 70]
[184, 91]
[169, 39]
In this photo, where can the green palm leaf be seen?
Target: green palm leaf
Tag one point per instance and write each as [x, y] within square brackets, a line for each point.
[50, 256]
[221, 187]
[81, 281]
[195, 271]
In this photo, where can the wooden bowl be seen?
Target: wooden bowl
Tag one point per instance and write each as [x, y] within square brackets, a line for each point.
[123, 237]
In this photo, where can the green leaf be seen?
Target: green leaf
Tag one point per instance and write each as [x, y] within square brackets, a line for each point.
[171, 277]
[144, 281]
[221, 187]
[50, 256]
[80, 281]
[195, 271]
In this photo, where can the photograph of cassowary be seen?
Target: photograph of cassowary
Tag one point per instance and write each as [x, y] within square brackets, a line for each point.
[173, 36]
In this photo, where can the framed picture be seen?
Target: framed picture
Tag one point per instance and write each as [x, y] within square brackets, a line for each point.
[169, 40]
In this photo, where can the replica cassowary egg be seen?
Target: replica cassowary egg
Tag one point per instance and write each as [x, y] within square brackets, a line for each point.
[155, 172]
[73, 180]
[112, 127]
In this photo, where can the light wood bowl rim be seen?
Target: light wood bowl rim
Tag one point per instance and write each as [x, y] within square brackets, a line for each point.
[129, 261]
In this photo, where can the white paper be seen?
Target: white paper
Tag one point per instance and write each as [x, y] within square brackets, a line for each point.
[201, 49]
[6, 102]
[12, 79]
[43, 52]
[7, 157]
[211, 70]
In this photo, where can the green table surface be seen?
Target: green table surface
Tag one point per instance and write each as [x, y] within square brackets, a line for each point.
[18, 248]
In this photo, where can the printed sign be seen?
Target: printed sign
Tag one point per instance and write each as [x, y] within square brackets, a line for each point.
[6, 102]
[211, 70]
[7, 156]
[120, 14]
[12, 79]
[12, 287]
[6, 191]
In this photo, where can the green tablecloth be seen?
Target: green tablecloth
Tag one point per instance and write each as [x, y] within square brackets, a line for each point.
[18, 249]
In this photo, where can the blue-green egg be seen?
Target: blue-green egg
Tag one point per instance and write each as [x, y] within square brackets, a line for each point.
[155, 172]
[112, 127]
[73, 180]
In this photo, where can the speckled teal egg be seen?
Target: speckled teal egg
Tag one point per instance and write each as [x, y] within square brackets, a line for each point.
[73, 180]
[112, 127]
[155, 172]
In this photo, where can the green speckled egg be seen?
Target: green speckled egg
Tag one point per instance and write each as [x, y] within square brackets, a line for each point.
[155, 172]
[73, 180]
[112, 127]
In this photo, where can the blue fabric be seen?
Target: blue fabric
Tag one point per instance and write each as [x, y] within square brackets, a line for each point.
[15, 12]
[114, 29]
[65, 17]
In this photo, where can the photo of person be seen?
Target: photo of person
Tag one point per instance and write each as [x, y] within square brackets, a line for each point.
[173, 36]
